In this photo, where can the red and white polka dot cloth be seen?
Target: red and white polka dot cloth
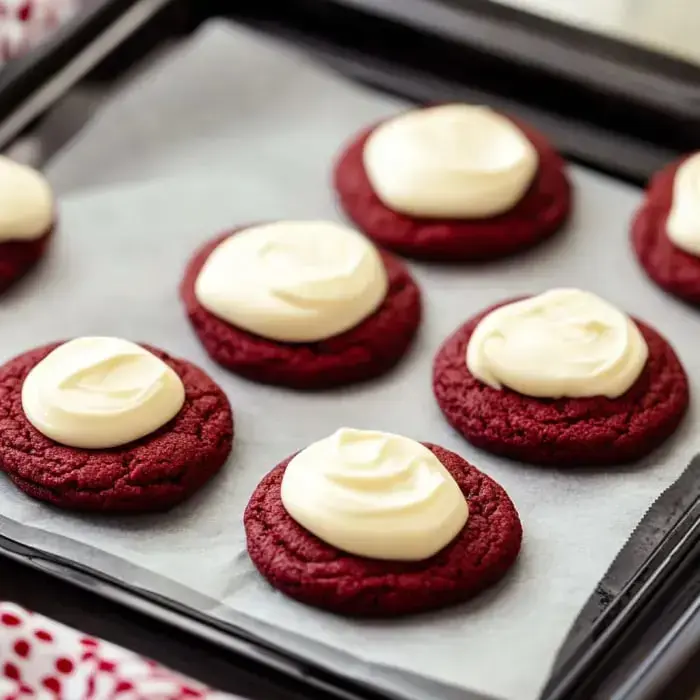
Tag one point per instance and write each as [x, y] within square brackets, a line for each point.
[25, 23]
[42, 659]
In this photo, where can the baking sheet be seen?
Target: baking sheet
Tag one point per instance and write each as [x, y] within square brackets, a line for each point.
[232, 129]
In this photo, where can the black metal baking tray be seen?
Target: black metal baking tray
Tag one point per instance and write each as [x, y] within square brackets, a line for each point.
[420, 51]
[643, 645]
[618, 108]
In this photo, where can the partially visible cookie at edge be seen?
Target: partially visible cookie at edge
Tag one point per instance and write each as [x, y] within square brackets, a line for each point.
[28, 219]
[666, 229]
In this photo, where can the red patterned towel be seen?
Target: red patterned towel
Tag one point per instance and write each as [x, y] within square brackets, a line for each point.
[42, 659]
[25, 23]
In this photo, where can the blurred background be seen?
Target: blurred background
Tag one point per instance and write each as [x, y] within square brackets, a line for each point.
[670, 26]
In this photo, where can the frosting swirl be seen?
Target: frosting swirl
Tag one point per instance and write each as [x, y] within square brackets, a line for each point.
[293, 281]
[683, 223]
[96, 393]
[374, 494]
[26, 202]
[453, 161]
[563, 343]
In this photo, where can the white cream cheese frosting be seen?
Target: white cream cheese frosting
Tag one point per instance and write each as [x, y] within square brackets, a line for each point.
[563, 343]
[96, 393]
[683, 223]
[293, 281]
[26, 202]
[454, 161]
[375, 495]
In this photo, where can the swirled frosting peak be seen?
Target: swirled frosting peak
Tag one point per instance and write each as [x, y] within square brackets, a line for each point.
[374, 494]
[683, 223]
[96, 393]
[563, 343]
[453, 161]
[294, 281]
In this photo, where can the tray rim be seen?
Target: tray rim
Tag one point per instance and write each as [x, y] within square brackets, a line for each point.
[32, 84]
[35, 65]
[616, 74]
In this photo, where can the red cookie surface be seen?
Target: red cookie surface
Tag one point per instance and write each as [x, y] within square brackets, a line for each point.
[592, 431]
[542, 211]
[154, 473]
[18, 257]
[366, 351]
[304, 567]
[670, 267]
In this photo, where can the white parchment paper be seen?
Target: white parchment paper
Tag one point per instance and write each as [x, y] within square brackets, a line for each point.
[231, 129]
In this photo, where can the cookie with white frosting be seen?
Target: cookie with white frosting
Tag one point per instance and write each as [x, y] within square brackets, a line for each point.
[454, 182]
[104, 424]
[562, 378]
[302, 304]
[27, 219]
[367, 523]
[666, 229]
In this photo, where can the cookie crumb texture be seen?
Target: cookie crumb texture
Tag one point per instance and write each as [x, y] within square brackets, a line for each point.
[539, 214]
[368, 350]
[153, 473]
[671, 268]
[304, 567]
[592, 431]
[17, 258]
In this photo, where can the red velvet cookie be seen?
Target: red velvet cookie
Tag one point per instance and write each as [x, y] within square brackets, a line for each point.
[592, 431]
[363, 352]
[19, 257]
[670, 267]
[539, 214]
[304, 567]
[154, 473]
[28, 219]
